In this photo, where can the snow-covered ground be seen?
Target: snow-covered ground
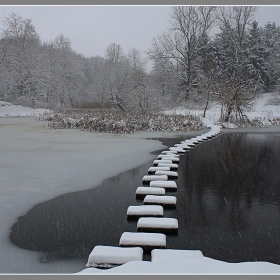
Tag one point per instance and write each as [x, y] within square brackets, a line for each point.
[9, 110]
[265, 106]
[167, 261]
[38, 164]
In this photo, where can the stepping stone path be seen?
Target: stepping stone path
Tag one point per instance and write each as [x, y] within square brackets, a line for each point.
[152, 227]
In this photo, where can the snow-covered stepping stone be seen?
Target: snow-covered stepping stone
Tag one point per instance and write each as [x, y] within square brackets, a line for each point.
[202, 137]
[167, 157]
[183, 146]
[148, 178]
[172, 255]
[147, 241]
[178, 149]
[157, 161]
[165, 201]
[170, 174]
[134, 212]
[168, 185]
[180, 145]
[163, 225]
[172, 166]
[189, 143]
[208, 135]
[194, 140]
[108, 256]
[169, 152]
[141, 192]
[153, 169]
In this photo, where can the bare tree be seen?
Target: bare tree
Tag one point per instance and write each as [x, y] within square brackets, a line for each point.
[116, 75]
[189, 28]
[236, 97]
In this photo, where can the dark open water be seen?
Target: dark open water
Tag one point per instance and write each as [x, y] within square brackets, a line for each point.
[228, 205]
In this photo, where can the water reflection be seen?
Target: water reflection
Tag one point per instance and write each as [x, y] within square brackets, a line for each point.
[229, 198]
[228, 203]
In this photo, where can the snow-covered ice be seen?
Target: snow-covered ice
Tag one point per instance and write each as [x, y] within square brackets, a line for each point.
[109, 256]
[143, 239]
[38, 164]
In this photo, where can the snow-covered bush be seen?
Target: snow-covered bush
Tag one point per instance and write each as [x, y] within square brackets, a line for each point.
[255, 122]
[117, 122]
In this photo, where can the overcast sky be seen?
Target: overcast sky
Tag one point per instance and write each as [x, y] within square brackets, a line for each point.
[92, 28]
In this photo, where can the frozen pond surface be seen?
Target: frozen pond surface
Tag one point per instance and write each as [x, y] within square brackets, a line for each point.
[67, 227]
[38, 164]
[228, 203]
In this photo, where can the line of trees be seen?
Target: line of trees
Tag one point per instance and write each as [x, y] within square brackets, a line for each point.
[208, 52]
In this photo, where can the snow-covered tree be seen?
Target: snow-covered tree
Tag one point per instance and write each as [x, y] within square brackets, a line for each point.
[21, 58]
[271, 39]
[233, 82]
[179, 46]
